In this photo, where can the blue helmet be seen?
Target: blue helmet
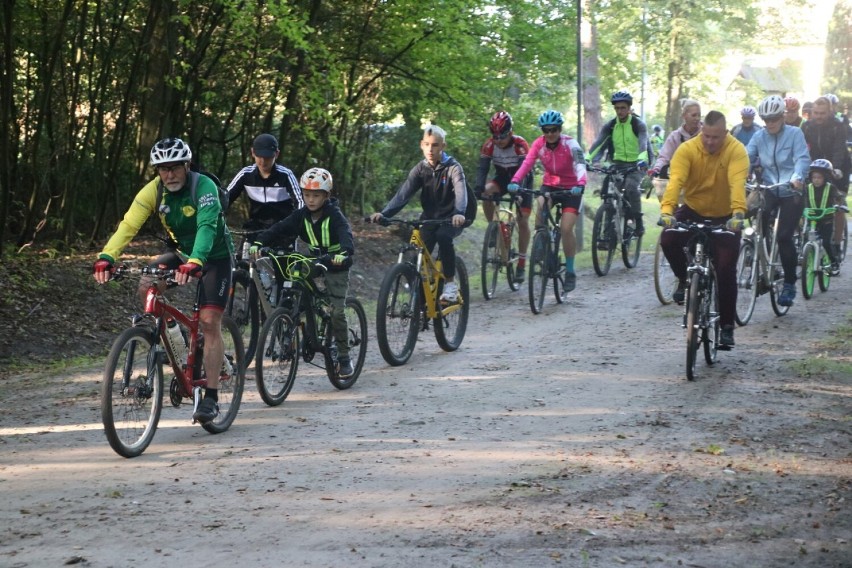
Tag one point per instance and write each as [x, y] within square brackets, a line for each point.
[621, 97]
[550, 118]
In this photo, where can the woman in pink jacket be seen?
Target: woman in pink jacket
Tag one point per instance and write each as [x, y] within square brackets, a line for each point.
[564, 169]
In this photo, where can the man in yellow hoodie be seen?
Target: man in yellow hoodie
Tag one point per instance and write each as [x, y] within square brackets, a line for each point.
[711, 170]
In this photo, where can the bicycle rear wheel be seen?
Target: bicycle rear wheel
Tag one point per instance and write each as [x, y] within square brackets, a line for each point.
[398, 314]
[631, 245]
[491, 259]
[776, 283]
[711, 328]
[555, 266]
[808, 271]
[277, 358]
[665, 282]
[603, 239]
[451, 324]
[356, 323]
[538, 270]
[132, 391]
[692, 331]
[512, 256]
[824, 276]
[747, 274]
[844, 242]
[243, 308]
[231, 378]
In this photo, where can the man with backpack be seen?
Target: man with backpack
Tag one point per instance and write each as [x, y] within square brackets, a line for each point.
[625, 139]
[190, 211]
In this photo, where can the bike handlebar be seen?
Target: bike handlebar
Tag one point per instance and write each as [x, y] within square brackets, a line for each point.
[699, 226]
[612, 169]
[417, 223]
[540, 193]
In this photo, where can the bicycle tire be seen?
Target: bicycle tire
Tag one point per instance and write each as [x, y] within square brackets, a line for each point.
[130, 412]
[398, 314]
[692, 331]
[537, 283]
[451, 323]
[712, 330]
[278, 357]
[809, 274]
[555, 265]
[490, 261]
[356, 319]
[243, 307]
[844, 242]
[512, 256]
[776, 284]
[631, 245]
[747, 281]
[603, 239]
[824, 276]
[231, 380]
[665, 282]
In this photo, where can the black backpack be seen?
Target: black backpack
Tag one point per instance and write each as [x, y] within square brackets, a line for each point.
[193, 189]
[472, 206]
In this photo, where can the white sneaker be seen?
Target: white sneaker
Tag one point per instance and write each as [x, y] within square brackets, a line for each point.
[451, 293]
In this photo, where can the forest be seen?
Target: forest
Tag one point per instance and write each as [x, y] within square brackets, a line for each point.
[87, 86]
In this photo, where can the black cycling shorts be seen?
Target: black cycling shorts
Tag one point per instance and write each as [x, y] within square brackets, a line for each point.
[215, 282]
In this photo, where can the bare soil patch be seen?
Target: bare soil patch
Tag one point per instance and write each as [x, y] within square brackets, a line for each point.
[565, 439]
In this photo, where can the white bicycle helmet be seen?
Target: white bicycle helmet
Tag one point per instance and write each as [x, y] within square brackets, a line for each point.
[771, 107]
[170, 150]
[316, 178]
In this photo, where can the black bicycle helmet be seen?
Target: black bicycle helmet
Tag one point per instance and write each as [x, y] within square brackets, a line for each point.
[621, 97]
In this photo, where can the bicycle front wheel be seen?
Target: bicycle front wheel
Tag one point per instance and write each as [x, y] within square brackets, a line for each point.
[844, 242]
[747, 263]
[809, 274]
[692, 331]
[631, 245]
[555, 266]
[231, 378]
[132, 391]
[277, 358]
[490, 259]
[243, 308]
[538, 270]
[711, 326]
[398, 314]
[603, 239]
[665, 282]
[356, 323]
[451, 323]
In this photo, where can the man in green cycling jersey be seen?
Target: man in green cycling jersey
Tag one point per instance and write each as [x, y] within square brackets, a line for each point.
[203, 248]
[626, 139]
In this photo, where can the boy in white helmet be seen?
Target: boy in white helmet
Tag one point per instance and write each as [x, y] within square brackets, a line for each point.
[322, 225]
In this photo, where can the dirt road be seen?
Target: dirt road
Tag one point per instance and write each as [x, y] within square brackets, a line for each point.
[565, 439]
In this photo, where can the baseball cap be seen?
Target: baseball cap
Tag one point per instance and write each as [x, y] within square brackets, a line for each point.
[265, 145]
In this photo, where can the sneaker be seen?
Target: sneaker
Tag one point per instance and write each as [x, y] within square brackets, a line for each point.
[834, 269]
[788, 294]
[208, 409]
[345, 369]
[679, 295]
[519, 275]
[570, 280]
[451, 293]
[726, 337]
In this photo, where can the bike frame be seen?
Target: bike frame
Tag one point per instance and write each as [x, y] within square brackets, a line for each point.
[431, 273]
[612, 191]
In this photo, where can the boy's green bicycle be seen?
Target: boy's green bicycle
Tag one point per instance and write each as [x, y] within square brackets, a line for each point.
[816, 264]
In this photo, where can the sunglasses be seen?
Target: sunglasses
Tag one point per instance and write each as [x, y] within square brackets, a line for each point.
[170, 169]
[549, 129]
[769, 119]
[500, 136]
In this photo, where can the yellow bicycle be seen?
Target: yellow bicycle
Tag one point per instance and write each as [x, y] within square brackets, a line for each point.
[410, 297]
